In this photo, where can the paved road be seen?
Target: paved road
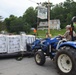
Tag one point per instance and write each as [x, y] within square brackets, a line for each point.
[26, 67]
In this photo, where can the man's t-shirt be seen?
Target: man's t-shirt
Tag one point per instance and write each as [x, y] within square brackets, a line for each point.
[68, 36]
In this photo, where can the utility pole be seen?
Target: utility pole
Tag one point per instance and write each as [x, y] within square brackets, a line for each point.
[48, 16]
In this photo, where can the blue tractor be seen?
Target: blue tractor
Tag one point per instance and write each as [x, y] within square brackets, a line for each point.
[63, 52]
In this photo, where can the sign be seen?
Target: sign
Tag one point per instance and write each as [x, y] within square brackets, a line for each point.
[42, 12]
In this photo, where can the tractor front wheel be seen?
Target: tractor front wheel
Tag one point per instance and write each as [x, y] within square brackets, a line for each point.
[39, 58]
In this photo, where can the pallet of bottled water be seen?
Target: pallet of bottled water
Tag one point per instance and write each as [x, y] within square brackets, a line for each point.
[14, 43]
[3, 44]
[26, 39]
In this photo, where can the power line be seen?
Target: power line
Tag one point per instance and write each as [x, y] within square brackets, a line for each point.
[33, 1]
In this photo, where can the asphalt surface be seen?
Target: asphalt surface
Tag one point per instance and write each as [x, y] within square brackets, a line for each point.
[26, 66]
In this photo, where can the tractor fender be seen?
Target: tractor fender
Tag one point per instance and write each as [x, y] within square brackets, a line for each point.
[68, 43]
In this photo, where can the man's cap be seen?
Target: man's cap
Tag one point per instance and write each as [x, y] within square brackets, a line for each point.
[68, 26]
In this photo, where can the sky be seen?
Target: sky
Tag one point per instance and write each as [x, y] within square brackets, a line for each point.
[18, 7]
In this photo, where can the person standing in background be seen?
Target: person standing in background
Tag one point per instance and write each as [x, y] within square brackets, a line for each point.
[35, 31]
[48, 35]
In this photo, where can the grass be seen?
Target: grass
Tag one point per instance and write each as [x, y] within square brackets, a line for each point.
[42, 33]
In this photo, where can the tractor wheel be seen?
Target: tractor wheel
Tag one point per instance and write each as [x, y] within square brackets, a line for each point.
[39, 58]
[65, 61]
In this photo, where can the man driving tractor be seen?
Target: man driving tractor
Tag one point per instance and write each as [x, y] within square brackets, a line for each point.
[70, 33]
[67, 34]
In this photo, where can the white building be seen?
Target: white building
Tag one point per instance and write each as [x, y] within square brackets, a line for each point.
[54, 24]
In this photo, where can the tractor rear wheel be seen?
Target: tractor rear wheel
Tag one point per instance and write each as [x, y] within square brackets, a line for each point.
[65, 61]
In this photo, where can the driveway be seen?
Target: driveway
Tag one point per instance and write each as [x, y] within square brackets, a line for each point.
[27, 66]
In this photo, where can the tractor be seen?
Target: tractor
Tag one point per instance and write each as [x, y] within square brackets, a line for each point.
[61, 51]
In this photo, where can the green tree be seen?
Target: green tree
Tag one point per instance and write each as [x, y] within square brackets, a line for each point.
[15, 24]
[26, 27]
[30, 16]
[2, 25]
[64, 11]
[8, 22]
